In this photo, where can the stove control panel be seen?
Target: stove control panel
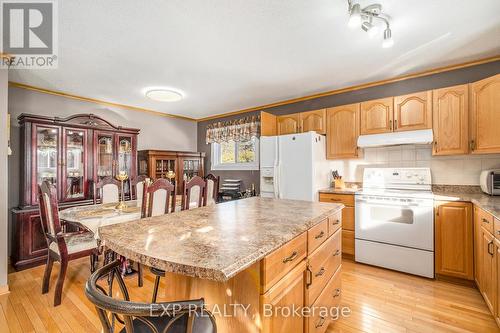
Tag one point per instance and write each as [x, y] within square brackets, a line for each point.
[403, 178]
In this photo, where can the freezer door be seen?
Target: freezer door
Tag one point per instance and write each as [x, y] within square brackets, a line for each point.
[296, 166]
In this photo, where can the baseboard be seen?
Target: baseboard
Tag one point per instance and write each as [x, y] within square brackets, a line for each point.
[456, 280]
[4, 290]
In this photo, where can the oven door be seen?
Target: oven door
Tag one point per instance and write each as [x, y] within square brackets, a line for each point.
[393, 220]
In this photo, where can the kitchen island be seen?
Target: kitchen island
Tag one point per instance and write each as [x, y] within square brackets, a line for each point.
[261, 254]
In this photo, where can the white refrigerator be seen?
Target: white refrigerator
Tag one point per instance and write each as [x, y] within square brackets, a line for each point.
[293, 166]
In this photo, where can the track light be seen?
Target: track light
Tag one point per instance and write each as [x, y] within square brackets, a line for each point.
[366, 18]
[388, 41]
[355, 17]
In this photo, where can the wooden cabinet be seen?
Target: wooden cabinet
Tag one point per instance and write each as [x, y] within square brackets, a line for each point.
[72, 153]
[477, 246]
[158, 163]
[488, 269]
[313, 121]
[485, 115]
[342, 131]
[413, 111]
[450, 120]
[267, 124]
[454, 240]
[288, 124]
[376, 116]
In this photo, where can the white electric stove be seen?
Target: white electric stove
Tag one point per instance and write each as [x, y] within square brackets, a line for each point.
[395, 220]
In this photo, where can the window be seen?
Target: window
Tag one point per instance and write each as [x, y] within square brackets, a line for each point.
[236, 155]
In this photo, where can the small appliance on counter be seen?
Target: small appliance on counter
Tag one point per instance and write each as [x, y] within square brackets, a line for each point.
[490, 181]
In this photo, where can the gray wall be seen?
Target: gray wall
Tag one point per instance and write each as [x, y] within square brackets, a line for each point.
[3, 177]
[440, 80]
[157, 132]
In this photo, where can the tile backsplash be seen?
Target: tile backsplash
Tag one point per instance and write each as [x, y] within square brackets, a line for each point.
[452, 170]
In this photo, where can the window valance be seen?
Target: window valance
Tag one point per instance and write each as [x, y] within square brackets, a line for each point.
[238, 130]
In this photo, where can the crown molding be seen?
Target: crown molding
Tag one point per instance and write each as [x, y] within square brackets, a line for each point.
[359, 86]
[96, 101]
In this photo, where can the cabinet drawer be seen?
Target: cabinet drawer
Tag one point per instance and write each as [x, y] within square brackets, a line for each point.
[486, 219]
[346, 199]
[317, 235]
[330, 297]
[334, 223]
[496, 227]
[348, 242]
[348, 218]
[321, 266]
[280, 262]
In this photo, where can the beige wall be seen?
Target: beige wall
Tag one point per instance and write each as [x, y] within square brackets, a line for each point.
[3, 178]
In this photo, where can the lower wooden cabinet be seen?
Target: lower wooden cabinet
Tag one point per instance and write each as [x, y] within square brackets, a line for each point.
[488, 269]
[454, 237]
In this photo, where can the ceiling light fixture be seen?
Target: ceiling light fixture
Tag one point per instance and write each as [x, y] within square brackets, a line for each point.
[164, 95]
[365, 17]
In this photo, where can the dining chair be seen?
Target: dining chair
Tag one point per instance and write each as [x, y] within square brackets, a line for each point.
[188, 316]
[213, 182]
[194, 193]
[138, 188]
[158, 199]
[107, 190]
[62, 247]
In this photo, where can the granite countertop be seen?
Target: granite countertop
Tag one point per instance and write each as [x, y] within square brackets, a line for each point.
[218, 241]
[489, 203]
[346, 190]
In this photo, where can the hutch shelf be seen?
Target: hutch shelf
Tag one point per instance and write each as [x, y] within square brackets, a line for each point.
[157, 163]
[72, 153]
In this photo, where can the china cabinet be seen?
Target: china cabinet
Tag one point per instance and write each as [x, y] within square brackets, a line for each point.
[158, 163]
[72, 153]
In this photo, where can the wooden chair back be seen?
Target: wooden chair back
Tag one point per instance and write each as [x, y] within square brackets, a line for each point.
[213, 182]
[158, 198]
[49, 208]
[194, 191]
[188, 316]
[107, 190]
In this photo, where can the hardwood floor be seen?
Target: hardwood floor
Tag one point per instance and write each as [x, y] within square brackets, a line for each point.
[380, 301]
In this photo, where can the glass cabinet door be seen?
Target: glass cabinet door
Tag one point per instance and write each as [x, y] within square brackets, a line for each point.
[125, 159]
[47, 157]
[191, 168]
[74, 172]
[105, 152]
[163, 166]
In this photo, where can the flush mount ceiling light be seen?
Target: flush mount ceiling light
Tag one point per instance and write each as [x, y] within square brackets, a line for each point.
[164, 95]
[366, 18]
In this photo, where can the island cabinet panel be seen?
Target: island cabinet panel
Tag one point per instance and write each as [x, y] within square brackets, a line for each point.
[288, 124]
[454, 240]
[377, 116]
[335, 222]
[276, 265]
[413, 111]
[317, 235]
[485, 115]
[287, 293]
[450, 120]
[313, 121]
[321, 266]
[342, 131]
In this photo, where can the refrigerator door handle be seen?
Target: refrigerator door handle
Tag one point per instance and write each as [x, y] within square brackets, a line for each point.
[277, 191]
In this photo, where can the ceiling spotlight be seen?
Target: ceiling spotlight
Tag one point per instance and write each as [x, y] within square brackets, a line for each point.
[164, 95]
[370, 28]
[388, 41]
[355, 15]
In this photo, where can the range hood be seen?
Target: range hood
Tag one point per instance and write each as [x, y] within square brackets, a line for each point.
[396, 138]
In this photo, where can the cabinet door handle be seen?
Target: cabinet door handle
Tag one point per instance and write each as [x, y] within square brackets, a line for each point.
[390, 124]
[490, 253]
[337, 221]
[337, 293]
[320, 235]
[308, 277]
[336, 253]
[290, 257]
[321, 272]
[321, 322]
[395, 124]
[472, 145]
[435, 146]
[485, 220]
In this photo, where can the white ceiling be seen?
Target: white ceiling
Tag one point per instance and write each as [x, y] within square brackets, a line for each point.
[227, 55]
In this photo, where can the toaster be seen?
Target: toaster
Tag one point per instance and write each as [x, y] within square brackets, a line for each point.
[490, 181]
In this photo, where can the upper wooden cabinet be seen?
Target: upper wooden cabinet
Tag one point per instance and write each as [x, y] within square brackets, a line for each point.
[413, 111]
[267, 124]
[450, 120]
[342, 131]
[376, 116]
[288, 124]
[485, 115]
[313, 121]
[454, 240]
